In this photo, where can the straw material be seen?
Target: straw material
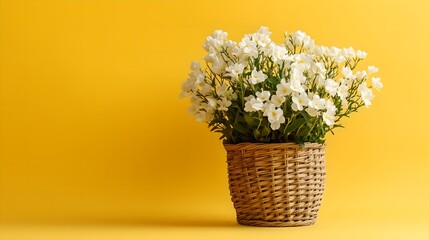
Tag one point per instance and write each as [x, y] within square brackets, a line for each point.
[276, 184]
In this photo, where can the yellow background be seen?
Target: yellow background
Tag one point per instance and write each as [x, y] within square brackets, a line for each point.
[94, 139]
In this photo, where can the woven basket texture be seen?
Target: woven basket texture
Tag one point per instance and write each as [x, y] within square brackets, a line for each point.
[276, 184]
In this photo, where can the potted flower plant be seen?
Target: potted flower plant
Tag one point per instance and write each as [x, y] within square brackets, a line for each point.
[273, 105]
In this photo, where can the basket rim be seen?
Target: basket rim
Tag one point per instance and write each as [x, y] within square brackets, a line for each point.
[234, 146]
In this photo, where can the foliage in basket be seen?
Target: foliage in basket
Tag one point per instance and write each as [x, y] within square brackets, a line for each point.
[260, 91]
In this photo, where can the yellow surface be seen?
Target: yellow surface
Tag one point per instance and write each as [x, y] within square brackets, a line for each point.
[94, 139]
[216, 230]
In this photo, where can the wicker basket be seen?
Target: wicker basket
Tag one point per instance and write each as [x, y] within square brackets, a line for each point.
[276, 184]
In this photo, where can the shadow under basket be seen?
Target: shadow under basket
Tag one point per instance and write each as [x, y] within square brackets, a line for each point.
[276, 184]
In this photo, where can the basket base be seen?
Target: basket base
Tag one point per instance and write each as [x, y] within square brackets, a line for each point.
[261, 223]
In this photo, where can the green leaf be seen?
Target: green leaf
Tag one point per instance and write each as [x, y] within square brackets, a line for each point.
[273, 80]
[252, 121]
[296, 123]
[306, 116]
[240, 128]
[257, 134]
[265, 130]
[303, 131]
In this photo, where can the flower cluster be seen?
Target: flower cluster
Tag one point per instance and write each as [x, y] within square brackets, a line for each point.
[259, 91]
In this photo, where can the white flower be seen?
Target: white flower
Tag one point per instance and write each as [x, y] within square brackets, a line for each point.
[329, 118]
[209, 116]
[321, 50]
[213, 46]
[248, 47]
[231, 47]
[276, 125]
[211, 54]
[263, 30]
[213, 57]
[299, 101]
[275, 116]
[231, 95]
[321, 68]
[301, 63]
[218, 65]
[296, 79]
[277, 100]
[314, 79]
[195, 66]
[272, 113]
[263, 96]
[312, 112]
[248, 98]
[215, 40]
[257, 77]
[200, 116]
[222, 89]
[349, 52]
[330, 107]
[346, 81]
[320, 81]
[329, 115]
[302, 39]
[343, 91]
[223, 104]
[331, 87]
[336, 54]
[360, 54]
[377, 84]
[219, 34]
[205, 88]
[203, 115]
[235, 70]
[372, 69]
[339, 59]
[187, 87]
[317, 103]
[277, 53]
[195, 100]
[283, 89]
[360, 75]
[193, 109]
[345, 103]
[366, 94]
[348, 73]
[194, 78]
[262, 36]
[235, 50]
[295, 85]
[212, 103]
[367, 97]
[253, 104]
[199, 76]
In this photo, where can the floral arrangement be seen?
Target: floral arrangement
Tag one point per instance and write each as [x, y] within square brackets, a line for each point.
[260, 91]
